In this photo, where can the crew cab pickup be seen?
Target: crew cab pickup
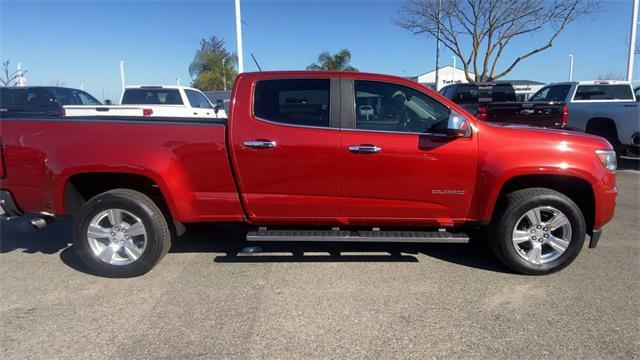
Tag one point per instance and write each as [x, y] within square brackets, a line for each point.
[313, 156]
[157, 101]
[606, 108]
[498, 103]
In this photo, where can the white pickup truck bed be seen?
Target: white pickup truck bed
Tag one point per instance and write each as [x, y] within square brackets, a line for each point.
[157, 101]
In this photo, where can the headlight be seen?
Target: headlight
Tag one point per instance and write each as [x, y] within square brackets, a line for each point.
[608, 159]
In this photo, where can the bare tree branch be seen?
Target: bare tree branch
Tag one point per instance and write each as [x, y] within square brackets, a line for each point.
[479, 31]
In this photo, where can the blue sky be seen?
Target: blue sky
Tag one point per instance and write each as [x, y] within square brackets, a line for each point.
[84, 41]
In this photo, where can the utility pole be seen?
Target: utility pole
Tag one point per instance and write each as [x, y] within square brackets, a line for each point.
[239, 37]
[122, 74]
[438, 45]
[632, 40]
[570, 67]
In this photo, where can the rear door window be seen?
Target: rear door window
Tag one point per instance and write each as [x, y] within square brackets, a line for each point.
[302, 102]
[603, 92]
[197, 100]
[542, 94]
[152, 97]
[559, 93]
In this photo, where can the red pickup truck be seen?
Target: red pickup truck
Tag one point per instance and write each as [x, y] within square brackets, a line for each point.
[312, 156]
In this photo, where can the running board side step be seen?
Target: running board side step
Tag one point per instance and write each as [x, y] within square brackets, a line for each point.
[358, 236]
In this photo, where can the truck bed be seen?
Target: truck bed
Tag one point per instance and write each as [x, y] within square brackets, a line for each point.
[169, 151]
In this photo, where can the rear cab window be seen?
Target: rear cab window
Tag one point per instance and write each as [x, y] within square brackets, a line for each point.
[300, 102]
[152, 97]
[27, 101]
[596, 92]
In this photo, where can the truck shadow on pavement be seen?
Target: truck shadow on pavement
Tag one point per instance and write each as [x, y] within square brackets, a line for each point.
[228, 244]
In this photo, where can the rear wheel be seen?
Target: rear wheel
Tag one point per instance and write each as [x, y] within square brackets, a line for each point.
[537, 231]
[121, 233]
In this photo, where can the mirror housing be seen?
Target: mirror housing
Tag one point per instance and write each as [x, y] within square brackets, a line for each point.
[457, 126]
[108, 102]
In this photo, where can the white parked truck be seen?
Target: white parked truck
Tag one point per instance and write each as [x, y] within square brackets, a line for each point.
[156, 101]
[606, 108]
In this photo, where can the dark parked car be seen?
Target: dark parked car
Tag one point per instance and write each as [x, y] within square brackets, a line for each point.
[497, 102]
[41, 100]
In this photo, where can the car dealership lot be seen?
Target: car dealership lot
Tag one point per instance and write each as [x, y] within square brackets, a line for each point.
[205, 300]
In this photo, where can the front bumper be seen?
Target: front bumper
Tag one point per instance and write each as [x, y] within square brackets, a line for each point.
[7, 205]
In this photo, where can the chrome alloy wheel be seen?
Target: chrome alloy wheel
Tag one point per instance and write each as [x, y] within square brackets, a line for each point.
[542, 235]
[117, 237]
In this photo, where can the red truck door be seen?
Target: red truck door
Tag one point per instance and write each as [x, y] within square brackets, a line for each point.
[286, 147]
[394, 171]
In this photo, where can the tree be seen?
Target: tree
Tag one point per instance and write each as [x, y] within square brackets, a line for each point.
[479, 31]
[7, 77]
[213, 66]
[339, 61]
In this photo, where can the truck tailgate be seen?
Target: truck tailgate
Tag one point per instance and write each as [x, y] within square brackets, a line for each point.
[541, 114]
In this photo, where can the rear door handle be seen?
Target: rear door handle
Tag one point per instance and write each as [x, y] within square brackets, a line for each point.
[364, 149]
[260, 144]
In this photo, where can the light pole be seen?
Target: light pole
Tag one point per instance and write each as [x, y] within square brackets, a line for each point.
[632, 40]
[122, 74]
[239, 37]
[570, 67]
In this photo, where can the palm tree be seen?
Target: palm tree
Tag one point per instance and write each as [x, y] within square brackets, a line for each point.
[213, 66]
[339, 61]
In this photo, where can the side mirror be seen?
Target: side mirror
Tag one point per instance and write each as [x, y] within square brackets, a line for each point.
[216, 108]
[457, 126]
[108, 102]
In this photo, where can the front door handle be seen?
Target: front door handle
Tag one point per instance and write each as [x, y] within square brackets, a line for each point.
[260, 144]
[364, 149]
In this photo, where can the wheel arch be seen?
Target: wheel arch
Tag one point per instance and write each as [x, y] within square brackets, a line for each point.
[576, 188]
[79, 187]
[596, 124]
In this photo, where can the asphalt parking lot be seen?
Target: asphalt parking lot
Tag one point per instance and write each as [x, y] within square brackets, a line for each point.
[207, 300]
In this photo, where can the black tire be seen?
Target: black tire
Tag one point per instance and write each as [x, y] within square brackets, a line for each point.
[513, 207]
[138, 204]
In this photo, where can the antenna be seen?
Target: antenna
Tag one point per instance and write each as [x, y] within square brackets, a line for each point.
[256, 61]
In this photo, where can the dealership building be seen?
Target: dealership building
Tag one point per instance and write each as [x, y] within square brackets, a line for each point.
[449, 75]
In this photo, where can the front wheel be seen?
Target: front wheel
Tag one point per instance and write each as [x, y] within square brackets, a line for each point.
[121, 233]
[537, 231]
